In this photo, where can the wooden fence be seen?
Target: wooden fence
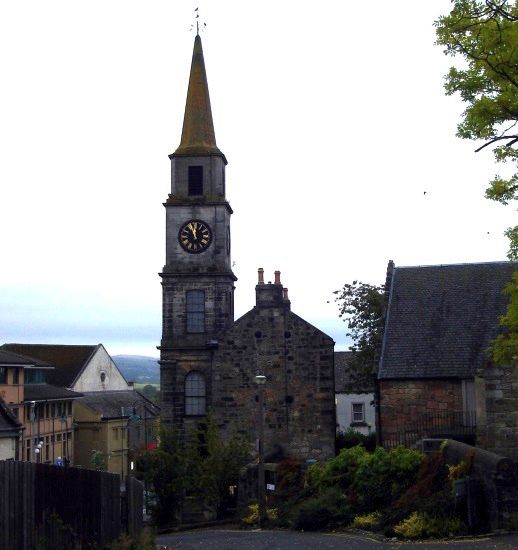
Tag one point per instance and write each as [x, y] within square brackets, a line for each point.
[56, 507]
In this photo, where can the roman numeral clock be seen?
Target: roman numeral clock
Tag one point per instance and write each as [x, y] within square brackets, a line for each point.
[195, 236]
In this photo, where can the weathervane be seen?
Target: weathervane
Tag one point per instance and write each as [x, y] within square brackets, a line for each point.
[197, 17]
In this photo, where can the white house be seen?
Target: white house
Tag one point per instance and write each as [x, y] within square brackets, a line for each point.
[354, 405]
[78, 368]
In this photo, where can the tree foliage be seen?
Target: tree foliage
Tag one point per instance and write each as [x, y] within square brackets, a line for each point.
[361, 306]
[484, 35]
[202, 464]
[505, 347]
[165, 468]
[219, 463]
[98, 460]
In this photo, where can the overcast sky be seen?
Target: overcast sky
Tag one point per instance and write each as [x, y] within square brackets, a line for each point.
[332, 116]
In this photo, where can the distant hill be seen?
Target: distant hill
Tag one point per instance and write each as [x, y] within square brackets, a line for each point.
[138, 368]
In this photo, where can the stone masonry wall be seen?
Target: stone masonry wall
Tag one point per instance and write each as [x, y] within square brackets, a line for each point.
[298, 361]
[403, 402]
[499, 432]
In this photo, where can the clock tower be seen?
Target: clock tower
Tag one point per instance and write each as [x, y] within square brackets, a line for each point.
[197, 279]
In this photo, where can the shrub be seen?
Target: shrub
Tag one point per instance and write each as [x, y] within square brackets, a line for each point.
[382, 477]
[370, 480]
[329, 509]
[338, 471]
[370, 522]
[145, 541]
[421, 525]
[289, 490]
[348, 439]
[351, 438]
[253, 515]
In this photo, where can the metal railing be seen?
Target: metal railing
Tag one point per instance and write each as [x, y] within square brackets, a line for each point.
[459, 425]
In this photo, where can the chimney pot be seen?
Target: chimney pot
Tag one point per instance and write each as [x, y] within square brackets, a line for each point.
[277, 277]
[260, 276]
[285, 295]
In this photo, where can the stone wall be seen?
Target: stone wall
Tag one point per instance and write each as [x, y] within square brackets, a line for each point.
[498, 423]
[404, 402]
[297, 360]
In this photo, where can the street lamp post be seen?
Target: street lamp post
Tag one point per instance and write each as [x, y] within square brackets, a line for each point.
[260, 380]
[37, 452]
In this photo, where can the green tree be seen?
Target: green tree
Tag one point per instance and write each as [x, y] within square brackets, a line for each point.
[505, 348]
[483, 34]
[219, 463]
[361, 306]
[98, 460]
[151, 392]
[202, 464]
[166, 469]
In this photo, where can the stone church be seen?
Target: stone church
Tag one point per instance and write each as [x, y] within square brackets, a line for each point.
[208, 361]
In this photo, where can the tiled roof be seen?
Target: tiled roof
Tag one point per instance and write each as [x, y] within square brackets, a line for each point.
[117, 404]
[9, 358]
[441, 319]
[68, 361]
[42, 392]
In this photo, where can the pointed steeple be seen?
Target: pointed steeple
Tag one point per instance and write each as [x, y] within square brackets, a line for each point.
[198, 136]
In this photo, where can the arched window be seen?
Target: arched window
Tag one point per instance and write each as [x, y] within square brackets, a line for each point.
[194, 394]
[195, 311]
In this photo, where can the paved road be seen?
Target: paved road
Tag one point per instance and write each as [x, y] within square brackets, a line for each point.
[228, 539]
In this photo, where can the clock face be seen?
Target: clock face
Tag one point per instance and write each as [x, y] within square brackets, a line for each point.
[195, 236]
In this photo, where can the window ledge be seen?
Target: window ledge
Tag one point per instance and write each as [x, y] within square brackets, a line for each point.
[359, 424]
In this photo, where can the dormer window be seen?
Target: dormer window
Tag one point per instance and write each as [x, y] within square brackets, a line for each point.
[195, 180]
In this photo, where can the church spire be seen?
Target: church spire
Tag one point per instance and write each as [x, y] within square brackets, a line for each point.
[198, 136]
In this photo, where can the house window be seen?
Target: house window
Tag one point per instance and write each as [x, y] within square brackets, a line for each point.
[194, 394]
[195, 311]
[115, 432]
[195, 180]
[3, 375]
[358, 412]
[16, 376]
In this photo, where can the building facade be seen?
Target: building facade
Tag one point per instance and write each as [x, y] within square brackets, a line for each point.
[208, 362]
[436, 377]
[44, 411]
[117, 425]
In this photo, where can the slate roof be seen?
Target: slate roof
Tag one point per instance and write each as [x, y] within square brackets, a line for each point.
[68, 361]
[118, 403]
[9, 358]
[441, 319]
[43, 392]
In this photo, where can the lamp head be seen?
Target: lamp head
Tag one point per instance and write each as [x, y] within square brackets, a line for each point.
[260, 379]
